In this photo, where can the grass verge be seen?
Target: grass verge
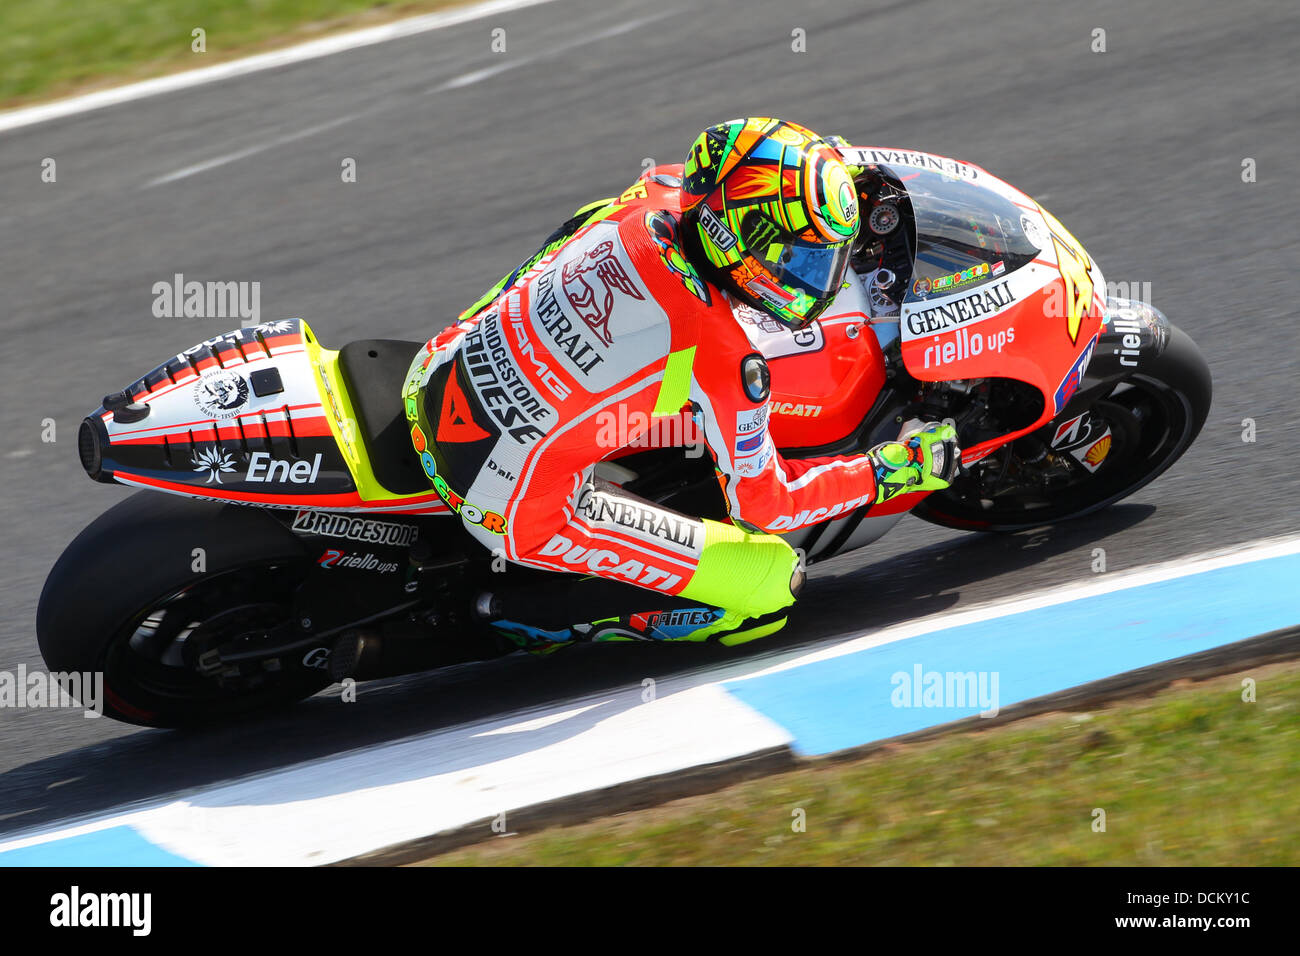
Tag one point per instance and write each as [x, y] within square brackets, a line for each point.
[51, 48]
[1193, 776]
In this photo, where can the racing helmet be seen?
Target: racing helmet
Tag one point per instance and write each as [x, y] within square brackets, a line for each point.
[769, 213]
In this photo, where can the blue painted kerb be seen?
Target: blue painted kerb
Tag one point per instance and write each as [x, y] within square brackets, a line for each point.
[849, 701]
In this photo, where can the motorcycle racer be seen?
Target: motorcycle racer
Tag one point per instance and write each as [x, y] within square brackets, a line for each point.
[627, 308]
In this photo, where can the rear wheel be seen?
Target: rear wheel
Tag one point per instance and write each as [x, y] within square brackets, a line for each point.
[186, 609]
[1152, 417]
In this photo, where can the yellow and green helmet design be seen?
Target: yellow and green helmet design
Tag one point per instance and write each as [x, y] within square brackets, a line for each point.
[771, 212]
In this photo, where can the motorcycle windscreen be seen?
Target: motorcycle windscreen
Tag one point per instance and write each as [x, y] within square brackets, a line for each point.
[966, 236]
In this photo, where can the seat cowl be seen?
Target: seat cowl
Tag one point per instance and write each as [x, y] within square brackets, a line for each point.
[374, 371]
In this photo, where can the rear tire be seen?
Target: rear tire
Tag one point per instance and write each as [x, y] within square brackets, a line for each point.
[106, 605]
[1155, 414]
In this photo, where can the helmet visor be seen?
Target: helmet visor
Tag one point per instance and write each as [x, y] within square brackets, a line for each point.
[806, 270]
[814, 268]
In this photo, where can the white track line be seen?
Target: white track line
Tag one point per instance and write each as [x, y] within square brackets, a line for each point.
[478, 76]
[465, 79]
[311, 50]
[250, 151]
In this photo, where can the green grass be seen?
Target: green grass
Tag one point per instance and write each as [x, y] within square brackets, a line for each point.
[52, 47]
[1192, 776]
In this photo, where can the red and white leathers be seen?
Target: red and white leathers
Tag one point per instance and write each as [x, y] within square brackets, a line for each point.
[521, 399]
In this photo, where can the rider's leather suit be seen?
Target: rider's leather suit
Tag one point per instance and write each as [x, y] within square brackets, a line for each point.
[584, 352]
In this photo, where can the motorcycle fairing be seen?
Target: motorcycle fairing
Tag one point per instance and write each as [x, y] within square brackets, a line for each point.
[258, 416]
[824, 378]
[1021, 298]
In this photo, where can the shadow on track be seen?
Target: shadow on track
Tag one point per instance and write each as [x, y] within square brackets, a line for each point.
[154, 763]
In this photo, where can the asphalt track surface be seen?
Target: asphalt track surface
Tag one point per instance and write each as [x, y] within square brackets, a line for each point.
[1138, 150]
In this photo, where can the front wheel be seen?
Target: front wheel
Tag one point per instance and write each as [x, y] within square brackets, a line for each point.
[1130, 436]
[184, 607]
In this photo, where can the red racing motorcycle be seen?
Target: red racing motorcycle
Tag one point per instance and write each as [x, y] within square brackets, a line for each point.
[286, 537]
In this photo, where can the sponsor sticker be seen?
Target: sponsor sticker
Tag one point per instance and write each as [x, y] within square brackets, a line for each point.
[1069, 431]
[1085, 439]
[751, 420]
[716, 230]
[1096, 454]
[764, 289]
[654, 525]
[590, 283]
[1070, 384]
[365, 530]
[776, 339]
[677, 623]
[502, 388]
[966, 343]
[264, 469]
[865, 156]
[488, 520]
[334, 558]
[1033, 232]
[215, 461]
[942, 316]
[581, 350]
[220, 393]
[817, 515]
[753, 447]
[1125, 322]
[608, 563]
[947, 283]
[799, 409]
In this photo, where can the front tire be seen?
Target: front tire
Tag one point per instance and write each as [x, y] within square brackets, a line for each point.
[146, 592]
